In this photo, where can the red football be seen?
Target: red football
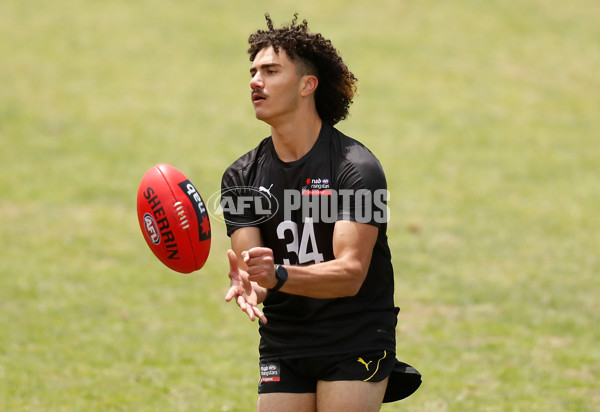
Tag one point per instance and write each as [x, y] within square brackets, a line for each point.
[173, 219]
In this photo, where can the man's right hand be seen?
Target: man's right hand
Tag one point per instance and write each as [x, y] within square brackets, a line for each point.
[242, 290]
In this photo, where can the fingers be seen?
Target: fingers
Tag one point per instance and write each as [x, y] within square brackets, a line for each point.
[249, 311]
[245, 256]
[257, 256]
[237, 293]
[231, 293]
[258, 252]
[259, 262]
[260, 314]
[248, 308]
[233, 261]
[252, 311]
[241, 302]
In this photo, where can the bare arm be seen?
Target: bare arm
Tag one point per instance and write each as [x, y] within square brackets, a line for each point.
[343, 276]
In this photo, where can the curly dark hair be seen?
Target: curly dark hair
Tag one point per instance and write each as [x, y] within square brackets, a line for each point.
[315, 55]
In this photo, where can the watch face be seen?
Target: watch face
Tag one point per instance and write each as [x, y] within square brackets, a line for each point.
[278, 272]
[281, 273]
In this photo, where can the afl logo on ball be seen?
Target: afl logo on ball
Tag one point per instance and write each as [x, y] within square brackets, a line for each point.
[151, 229]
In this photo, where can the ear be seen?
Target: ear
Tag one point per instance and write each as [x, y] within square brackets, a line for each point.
[308, 85]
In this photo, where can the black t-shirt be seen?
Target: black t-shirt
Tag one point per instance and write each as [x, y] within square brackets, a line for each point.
[295, 205]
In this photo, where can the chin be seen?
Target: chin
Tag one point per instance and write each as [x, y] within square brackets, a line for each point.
[262, 116]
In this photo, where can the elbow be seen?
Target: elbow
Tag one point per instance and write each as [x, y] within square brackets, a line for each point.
[356, 277]
[352, 290]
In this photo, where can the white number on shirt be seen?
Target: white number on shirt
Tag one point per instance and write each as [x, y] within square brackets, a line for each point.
[307, 241]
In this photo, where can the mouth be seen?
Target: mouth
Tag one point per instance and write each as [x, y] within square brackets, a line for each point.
[258, 97]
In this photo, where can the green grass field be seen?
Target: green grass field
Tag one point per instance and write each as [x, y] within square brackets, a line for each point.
[485, 115]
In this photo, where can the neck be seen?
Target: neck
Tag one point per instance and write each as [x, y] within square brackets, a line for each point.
[294, 139]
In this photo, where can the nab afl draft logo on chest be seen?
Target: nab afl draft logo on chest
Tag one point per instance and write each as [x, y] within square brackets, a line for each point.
[318, 186]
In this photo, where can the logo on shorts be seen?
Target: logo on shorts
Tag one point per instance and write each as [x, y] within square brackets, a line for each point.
[368, 365]
[361, 360]
[270, 372]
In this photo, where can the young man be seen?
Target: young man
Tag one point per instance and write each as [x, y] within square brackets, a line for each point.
[307, 216]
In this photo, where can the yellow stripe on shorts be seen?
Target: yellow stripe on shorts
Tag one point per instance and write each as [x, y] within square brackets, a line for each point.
[377, 368]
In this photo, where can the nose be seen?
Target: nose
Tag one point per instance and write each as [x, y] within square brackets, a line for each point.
[256, 82]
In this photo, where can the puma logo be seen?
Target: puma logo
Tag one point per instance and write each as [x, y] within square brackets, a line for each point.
[361, 360]
[267, 191]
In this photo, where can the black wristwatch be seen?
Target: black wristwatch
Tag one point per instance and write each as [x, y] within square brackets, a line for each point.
[281, 275]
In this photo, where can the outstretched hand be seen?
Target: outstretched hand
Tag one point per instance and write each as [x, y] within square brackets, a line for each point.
[241, 289]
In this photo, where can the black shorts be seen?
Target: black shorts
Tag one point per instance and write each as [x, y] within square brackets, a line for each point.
[301, 375]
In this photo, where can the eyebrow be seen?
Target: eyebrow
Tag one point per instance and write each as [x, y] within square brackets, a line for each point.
[264, 67]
